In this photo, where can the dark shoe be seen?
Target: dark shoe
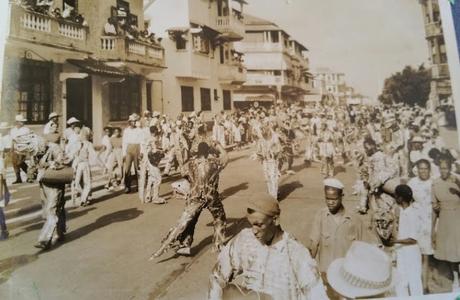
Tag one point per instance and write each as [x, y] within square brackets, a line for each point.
[127, 190]
[17, 181]
[43, 245]
[30, 181]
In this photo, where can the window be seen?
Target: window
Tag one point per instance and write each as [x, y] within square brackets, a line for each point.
[33, 94]
[124, 98]
[148, 87]
[277, 72]
[274, 36]
[205, 99]
[187, 98]
[227, 100]
[200, 44]
[221, 54]
[181, 43]
[223, 8]
[70, 6]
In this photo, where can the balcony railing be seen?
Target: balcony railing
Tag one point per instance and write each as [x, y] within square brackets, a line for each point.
[433, 29]
[263, 79]
[119, 48]
[231, 26]
[41, 28]
[440, 71]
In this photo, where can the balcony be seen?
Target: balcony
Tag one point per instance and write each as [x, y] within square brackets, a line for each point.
[232, 73]
[47, 30]
[231, 27]
[440, 71]
[120, 48]
[433, 29]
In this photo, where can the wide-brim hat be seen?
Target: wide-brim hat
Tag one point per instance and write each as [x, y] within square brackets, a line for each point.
[52, 115]
[72, 120]
[355, 275]
[345, 288]
[20, 118]
[418, 139]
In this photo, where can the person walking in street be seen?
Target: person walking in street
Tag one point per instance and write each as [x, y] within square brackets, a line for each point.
[132, 138]
[326, 150]
[52, 194]
[334, 228]
[203, 174]
[265, 261]
[18, 159]
[115, 161]
[268, 151]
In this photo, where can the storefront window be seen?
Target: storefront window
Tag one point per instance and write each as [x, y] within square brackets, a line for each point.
[124, 99]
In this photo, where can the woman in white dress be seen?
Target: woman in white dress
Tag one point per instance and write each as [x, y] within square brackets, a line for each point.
[421, 189]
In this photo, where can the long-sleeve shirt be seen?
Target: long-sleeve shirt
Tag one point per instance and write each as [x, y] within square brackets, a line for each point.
[131, 136]
[284, 270]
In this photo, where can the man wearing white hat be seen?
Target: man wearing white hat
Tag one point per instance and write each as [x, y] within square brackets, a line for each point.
[131, 147]
[18, 159]
[53, 121]
[333, 229]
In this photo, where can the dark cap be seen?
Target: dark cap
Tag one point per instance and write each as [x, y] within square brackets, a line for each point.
[264, 204]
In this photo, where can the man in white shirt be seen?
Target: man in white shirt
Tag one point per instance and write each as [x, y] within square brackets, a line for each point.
[132, 139]
[18, 159]
[109, 28]
[53, 119]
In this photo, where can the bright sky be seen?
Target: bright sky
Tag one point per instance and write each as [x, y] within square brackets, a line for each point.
[368, 40]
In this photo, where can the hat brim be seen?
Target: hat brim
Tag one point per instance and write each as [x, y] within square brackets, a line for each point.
[341, 286]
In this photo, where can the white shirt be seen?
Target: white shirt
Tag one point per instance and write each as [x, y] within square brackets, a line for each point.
[132, 136]
[47, 128]
[16, 132]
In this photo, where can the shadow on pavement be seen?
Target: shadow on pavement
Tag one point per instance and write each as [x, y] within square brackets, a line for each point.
[234, 189]
[286, 189]
[116, 217]
[71, 214]
[10, 264]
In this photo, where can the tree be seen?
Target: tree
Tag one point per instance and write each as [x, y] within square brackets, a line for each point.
[411, 86]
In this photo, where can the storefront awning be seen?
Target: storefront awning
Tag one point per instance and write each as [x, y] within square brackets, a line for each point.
[254, 98]
[99, 67]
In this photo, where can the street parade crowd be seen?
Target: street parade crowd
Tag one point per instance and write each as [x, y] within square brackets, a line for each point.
[407, 185]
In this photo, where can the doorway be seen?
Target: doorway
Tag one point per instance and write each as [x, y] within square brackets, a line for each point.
[79, 100]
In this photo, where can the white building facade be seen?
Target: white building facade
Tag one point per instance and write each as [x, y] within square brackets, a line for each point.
[203, 68]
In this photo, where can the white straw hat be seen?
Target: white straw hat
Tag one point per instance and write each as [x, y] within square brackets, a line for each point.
[365, 271]
[20, 118]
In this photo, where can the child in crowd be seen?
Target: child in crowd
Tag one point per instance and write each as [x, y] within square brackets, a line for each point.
[408, 255]
[152, 190]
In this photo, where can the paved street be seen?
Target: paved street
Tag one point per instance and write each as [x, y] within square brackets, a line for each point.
[106, 252]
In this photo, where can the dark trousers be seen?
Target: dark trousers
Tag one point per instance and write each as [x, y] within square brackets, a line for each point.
[19, 163]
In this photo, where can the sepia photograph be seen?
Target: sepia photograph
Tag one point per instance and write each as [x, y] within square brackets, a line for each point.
[229, 149]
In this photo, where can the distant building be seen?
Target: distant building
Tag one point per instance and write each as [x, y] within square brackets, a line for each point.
[277, 65]
[330, 82]
[441, 89]
[60, 58]
[203, 67]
